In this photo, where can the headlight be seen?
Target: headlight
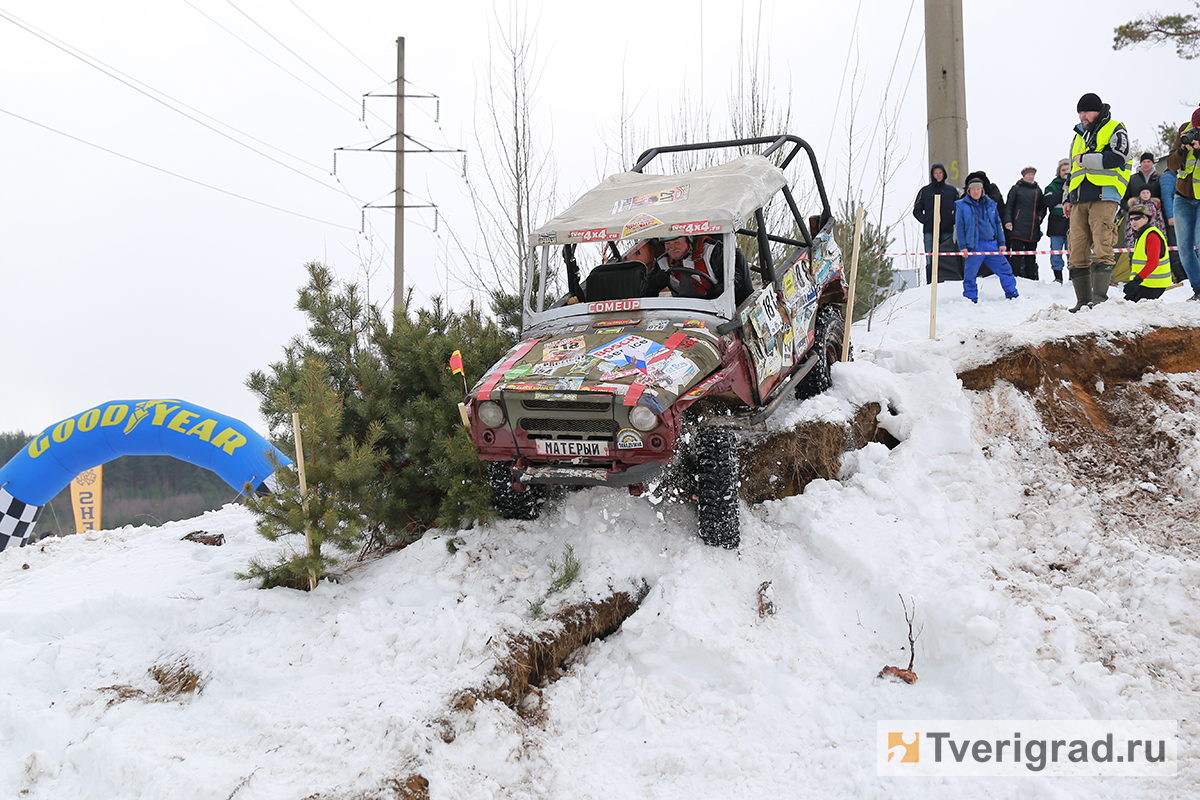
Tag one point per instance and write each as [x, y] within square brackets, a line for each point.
[643, 418]
[491, 414]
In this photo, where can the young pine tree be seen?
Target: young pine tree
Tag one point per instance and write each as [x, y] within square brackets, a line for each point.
[391, 457]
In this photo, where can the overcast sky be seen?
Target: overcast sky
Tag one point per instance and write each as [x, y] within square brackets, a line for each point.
[146, 252]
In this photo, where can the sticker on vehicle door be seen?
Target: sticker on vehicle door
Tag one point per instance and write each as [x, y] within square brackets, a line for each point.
[572, 447]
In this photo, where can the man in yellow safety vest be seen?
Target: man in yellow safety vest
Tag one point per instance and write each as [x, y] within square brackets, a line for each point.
[1099, 175]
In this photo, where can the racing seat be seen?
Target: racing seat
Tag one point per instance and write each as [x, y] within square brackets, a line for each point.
[617, 280]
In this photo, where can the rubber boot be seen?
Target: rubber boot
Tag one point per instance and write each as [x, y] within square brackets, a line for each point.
[1101, 275]
[1081, 279]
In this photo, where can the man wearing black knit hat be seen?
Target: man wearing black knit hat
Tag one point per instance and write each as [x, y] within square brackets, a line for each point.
[1099, 176]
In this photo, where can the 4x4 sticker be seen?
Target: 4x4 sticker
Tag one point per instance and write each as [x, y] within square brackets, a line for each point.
[590, 235]
[695, 228]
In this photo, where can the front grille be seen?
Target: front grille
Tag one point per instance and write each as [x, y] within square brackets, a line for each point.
[563, 405]
[607, 427]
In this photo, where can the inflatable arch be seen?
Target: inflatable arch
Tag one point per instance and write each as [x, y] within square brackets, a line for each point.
[176, 428]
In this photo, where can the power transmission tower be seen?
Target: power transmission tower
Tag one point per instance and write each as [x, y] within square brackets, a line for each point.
[946, 87]
[399, 137]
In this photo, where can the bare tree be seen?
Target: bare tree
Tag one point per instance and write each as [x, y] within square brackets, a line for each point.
[514, 186]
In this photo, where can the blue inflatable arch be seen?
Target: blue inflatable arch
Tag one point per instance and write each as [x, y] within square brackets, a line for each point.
[176, 428]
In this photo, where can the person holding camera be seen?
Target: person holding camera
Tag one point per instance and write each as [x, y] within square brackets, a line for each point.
[1183, 161]
[1099, 176]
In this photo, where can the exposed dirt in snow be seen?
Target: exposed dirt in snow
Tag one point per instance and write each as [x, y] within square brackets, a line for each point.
[783, 463]
[1114, 409]
[533, 661]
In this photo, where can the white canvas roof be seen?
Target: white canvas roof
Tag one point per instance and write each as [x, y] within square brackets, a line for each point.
[630, 205]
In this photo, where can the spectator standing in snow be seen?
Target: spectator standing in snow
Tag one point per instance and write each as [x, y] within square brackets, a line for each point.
[1151, 271]
[1166, 182]
[1057, 223]
[923, 213]
[1099, 177]
[979, 230]
[1142, 177]
[1023, 214]
[1185, 208]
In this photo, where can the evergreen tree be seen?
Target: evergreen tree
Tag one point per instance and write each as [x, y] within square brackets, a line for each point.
[875, 272]
[334, 505]
[382, 403]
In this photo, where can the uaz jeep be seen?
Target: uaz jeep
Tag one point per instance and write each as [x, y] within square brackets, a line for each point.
[641, 362]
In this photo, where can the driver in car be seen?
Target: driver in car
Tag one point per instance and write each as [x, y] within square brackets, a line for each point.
[694, 267]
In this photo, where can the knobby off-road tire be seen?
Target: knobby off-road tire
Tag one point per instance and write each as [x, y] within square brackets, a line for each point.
[827, 344]
[508, 501]
[717, 487]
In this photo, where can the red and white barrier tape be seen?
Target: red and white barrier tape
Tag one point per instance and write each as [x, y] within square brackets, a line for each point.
[1008, 252]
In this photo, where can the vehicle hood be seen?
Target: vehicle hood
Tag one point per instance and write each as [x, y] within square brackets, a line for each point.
[651, 360]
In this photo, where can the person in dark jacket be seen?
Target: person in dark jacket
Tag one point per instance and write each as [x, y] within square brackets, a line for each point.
[948, 268]
[1144, 177]
[1057, 222]
[980, 235]
[1023, 215]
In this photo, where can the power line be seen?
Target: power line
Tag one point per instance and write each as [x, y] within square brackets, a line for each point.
[174, 174]
[272, 61]
[129, 81]
[339, 44]
[296, 55]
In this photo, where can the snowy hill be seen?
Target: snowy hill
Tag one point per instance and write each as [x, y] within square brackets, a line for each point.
[1046, 585]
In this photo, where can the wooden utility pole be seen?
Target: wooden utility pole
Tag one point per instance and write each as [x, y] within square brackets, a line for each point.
[946, 88]
[398, 280]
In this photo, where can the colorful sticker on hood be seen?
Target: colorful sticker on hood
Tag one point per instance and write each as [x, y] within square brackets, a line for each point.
[657, 324]
[652, 199]
[618, 350]
[519, 371]
[560, 349]
[639, 223]
[673, 372]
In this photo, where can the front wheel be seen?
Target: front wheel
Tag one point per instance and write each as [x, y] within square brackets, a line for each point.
[717, 487]
[508, 501]
[828, 337]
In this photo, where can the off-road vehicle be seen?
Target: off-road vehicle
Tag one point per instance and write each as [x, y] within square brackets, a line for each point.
[618, 377]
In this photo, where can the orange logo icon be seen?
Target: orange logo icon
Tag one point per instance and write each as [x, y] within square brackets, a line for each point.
[904, 747]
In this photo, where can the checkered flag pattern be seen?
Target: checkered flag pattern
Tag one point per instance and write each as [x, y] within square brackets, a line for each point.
[16, 520]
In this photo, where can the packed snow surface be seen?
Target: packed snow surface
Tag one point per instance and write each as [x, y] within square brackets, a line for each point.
[1025, 609]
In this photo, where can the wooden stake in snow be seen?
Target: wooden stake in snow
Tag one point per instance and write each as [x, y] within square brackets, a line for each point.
[308, 539]
[933, 282]
[853, 277]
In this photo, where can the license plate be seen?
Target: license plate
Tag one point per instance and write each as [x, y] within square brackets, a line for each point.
[572, 447]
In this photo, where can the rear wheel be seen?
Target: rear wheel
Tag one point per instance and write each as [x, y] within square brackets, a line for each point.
[717, 487]
[508, 501]
[827, 345]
